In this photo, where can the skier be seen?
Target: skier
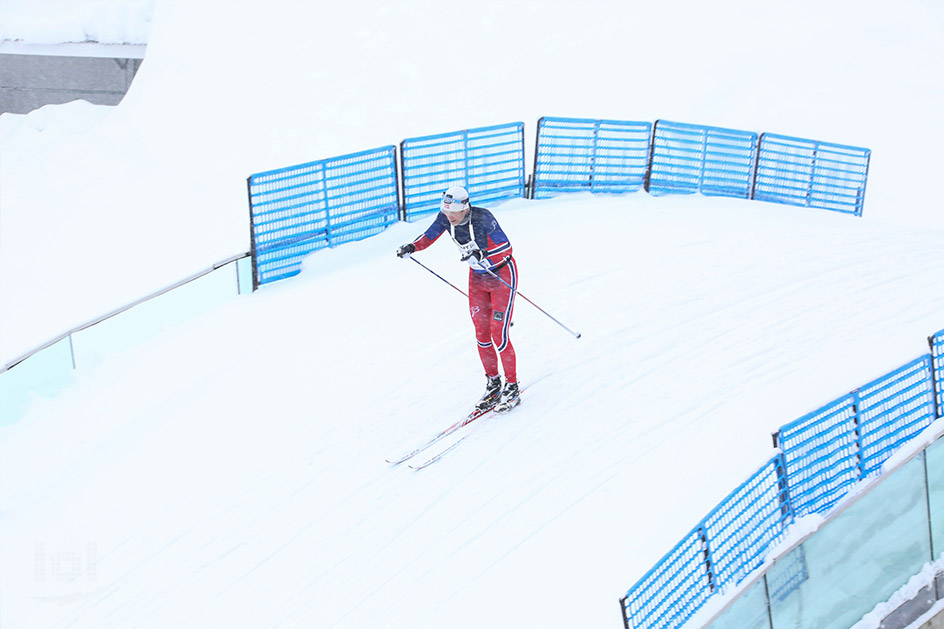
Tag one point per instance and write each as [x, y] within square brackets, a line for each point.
[484, 246]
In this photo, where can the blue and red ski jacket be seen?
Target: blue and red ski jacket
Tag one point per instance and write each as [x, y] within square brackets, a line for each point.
[479, 231]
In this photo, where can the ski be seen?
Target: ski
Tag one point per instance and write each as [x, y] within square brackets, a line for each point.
[439, 455]
[498, 410]
[468, 419]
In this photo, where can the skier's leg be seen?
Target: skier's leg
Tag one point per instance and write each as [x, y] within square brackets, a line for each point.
[480, 308]
[502, 308]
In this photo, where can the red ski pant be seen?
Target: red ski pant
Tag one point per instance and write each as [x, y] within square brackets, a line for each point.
[491, 303]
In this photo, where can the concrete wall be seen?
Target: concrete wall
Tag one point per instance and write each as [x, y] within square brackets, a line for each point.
[29, 81]
[908, 612]
[935, 623]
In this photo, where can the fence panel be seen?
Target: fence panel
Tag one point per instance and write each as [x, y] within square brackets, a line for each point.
[581, 154]
[693, 158]
[937, 365]
[673, 590]
[821, 452]
[893, 409]
[810, 173]
[300, 209]
[487, 161]
[743, 526]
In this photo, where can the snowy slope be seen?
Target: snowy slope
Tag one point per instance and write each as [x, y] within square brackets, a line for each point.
[231, 472]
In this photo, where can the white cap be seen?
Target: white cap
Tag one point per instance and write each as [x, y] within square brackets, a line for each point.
[455, 199]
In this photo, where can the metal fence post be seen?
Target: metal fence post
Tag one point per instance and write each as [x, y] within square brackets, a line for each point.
[856, 404]
[327, 204]
[865, 181]
[623, 611]
[937, 387]
[927, 503]
[401, 197]
[783, 487]
[809, 191]
[652, 151]
[593, 151]
[537, 144]
[760, 139]
[706, 551]
[252, 237]
[770, 611]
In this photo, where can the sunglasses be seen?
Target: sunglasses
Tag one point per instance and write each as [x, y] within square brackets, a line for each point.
[448, 199]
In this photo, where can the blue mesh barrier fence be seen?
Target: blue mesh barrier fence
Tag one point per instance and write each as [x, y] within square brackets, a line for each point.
[674, 589]
[810, 173]
[721, 550]
[893, 409]
[744, 525]
[847, 440]
[691, 158]
[300, 209]
[582, 154]
[487, 161]
[937, 364]
[822, 455]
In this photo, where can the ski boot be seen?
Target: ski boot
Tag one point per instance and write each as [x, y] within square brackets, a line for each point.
[510, 398]
[492, 394]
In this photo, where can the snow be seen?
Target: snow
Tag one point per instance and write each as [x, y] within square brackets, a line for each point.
[63, 21]
[231, 470]
[908, 592]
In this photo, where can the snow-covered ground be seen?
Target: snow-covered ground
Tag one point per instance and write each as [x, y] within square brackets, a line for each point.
[75, 21]
[231, 471]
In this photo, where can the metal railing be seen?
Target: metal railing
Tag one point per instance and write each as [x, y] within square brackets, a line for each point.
[42, 368]
[117, 311]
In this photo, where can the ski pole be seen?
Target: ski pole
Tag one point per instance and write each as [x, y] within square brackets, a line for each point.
[438, 275]
[515, 290]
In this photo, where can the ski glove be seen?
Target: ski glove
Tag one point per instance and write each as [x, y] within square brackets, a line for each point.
[473, 257]
[406, 250]
[476, 259]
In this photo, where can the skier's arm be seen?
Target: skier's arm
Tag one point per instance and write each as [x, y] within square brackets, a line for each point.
[496, 246]
[427, 238]
[502, 246]
[432, 233]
